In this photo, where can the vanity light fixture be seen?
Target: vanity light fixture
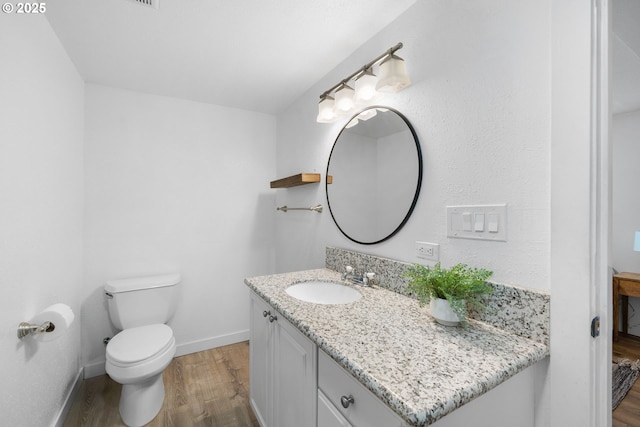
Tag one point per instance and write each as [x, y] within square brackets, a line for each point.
[341, 99]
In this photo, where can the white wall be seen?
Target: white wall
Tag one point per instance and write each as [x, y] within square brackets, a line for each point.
[626, 204]
[480, 104]
[41, 134]
[174, 185]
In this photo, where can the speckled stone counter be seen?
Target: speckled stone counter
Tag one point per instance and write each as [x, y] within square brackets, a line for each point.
[420, 369]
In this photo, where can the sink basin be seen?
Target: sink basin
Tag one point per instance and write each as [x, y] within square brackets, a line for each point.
[323, 292]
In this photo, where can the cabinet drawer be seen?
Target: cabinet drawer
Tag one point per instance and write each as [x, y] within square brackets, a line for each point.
[366, 410]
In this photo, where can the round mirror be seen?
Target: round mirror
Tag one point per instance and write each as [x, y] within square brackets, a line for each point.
[374, 175]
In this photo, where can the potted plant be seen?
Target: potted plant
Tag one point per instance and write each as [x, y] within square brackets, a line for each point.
[448, 291]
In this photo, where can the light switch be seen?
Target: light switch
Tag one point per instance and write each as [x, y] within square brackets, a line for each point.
[478, 224]
[466, 221]
[456, 222]
[492, 223]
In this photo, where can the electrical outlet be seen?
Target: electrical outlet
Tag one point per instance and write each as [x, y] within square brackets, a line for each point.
[430, 251]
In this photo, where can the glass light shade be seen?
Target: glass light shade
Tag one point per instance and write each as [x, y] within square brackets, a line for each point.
[365, 87]
[352, 123]
[325, 110]
[636, 242]
[366, 115]
[393, 75]
[344, 99]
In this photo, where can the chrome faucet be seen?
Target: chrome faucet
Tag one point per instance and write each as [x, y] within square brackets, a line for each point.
[359, 279]
[348, 272]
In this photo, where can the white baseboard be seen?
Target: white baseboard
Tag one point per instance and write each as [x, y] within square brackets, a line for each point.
[97, 368]
[94, 369]
[68, 401]
[209, 343]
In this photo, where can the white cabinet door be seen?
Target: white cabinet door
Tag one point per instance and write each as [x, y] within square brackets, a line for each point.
[259, 359]
[328, 415]
[295, 385]
[283, 370]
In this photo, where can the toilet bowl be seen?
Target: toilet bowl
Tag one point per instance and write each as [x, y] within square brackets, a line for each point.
[136, 358]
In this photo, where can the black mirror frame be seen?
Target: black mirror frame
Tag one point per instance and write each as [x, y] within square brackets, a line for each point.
[418, 186]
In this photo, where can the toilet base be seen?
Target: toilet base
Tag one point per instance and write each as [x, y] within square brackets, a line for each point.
[141, 402]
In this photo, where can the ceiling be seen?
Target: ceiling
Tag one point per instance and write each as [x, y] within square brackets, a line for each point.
[625, 44]
[258, 55]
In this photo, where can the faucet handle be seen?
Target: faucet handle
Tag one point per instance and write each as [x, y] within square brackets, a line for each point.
[366, 278]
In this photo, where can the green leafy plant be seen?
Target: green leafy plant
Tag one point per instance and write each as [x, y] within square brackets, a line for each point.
[461, 285]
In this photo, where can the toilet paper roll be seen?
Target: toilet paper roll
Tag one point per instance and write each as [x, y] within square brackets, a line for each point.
[60, 315]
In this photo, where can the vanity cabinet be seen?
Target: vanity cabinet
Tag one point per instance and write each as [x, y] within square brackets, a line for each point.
[283, 370]
[295, 383]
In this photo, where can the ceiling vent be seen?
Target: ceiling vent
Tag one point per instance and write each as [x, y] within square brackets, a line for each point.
[149, 3]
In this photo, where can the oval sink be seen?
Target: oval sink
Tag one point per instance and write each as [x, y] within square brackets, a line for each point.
[323, 292]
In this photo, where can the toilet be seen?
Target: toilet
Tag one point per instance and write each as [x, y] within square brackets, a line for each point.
[136, 357]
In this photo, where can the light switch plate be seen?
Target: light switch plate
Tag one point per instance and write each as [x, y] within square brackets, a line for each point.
[480, 222]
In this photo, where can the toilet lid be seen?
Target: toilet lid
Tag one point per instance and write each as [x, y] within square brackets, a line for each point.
[140, 343]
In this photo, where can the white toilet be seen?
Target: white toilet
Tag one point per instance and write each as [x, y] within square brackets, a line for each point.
[136, 357]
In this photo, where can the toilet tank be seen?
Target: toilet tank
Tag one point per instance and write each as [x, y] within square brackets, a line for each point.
[142, 301]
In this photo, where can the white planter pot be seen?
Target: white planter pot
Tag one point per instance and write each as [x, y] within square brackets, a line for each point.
[442, 312]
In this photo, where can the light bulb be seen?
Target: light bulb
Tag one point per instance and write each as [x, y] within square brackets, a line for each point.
[344, 99]
[365, 87]
[325, 110]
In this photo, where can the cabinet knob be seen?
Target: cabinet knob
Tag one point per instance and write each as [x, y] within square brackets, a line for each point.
[346, 401]
[273, 318]
[265, 313]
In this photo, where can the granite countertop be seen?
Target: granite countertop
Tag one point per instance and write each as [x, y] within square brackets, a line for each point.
[419, 368]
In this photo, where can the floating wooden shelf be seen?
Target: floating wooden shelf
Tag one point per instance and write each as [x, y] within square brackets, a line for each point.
[295, 180]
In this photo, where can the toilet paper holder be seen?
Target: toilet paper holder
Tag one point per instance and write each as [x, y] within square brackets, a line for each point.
[25, 328]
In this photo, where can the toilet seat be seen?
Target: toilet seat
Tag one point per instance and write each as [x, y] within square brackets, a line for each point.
[136, 345]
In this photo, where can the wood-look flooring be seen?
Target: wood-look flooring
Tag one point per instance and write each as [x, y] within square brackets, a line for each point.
[209, 388]
[627, 414]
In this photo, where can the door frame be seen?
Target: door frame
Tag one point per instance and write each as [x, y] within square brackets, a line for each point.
[601, 173]
[579, 382]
